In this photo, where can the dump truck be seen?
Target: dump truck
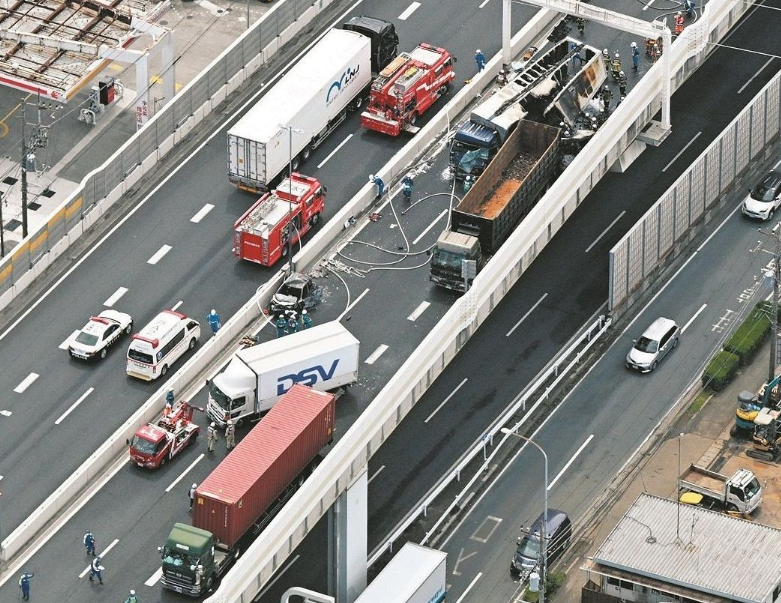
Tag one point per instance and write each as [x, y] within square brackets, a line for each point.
[325, 357]
[416, 574]
[740, 492]
[504, 193]
[238, 499]
[306, 105]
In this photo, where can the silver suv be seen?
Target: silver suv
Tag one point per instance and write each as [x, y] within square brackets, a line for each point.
[657, 340]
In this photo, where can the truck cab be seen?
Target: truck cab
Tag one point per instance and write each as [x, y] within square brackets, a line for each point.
[472, 148]
[188, 560]
[447, 257]
[232, 393]
[383, 36]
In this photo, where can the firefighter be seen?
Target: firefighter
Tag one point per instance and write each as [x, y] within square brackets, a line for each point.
[89, 543]
[406, 187]
[622, 83]
[281, 326]
[678, 24]
[656, 52]
[306, 319]
[191, 495]
[96, 569]
[132, 598]
[574, 48]
[607, 96]
[230, 435]
[606, 58]
[377, 181]
[292, 322]
[615, 65]
[24, 585]
[480, 60]
[211, 436]
[689, 5]
[635, 56]
[214, 321]
[169, 396]
[581, 23]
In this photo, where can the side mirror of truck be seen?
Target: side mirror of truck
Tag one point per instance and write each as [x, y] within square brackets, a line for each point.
[127, 441]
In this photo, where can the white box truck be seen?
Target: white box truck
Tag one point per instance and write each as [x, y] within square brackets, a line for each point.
[312, 98]
[324, 357]
[415, 575]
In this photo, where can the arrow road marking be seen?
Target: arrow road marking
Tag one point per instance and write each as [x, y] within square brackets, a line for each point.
[460, 559]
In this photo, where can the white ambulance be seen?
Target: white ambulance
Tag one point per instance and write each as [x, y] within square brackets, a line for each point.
[159, 344]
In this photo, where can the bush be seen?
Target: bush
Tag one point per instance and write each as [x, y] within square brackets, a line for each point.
[750, 335]
[720, 370]
[552, 584]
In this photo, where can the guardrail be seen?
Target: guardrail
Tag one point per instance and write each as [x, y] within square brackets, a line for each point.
[102, 187]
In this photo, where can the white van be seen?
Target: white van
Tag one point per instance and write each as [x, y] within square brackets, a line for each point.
[159, 344]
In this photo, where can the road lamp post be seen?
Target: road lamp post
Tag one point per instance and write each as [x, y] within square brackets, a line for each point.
[290, 130]
[544, 530]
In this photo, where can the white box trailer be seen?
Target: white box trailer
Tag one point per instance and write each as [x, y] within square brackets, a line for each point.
[416, 574]
[312, 97]
[324, 357]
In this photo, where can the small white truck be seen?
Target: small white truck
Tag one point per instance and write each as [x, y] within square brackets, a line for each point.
[417, 574]
[324, 357]
[741, 492]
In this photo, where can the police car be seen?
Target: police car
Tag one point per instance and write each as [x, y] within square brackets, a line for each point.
[99, 333]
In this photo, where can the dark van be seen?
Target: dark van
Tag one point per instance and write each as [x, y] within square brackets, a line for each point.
[529, 552]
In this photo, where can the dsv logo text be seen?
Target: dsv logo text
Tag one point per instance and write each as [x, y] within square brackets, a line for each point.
[337, 87]
[308, 376]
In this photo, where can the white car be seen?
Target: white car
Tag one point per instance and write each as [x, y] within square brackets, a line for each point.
[764, 199]
[99, 334]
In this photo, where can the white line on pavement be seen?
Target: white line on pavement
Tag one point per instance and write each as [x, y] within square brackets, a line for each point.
[376, 474]
[74, 405]
[477, 577]
[430, 226]
[691, 320]
[604, 232]
[154, 578]
[517, 324]
[28, 381]
[483, 3]
[352, 304]
[334, 152]
[753, 77]
[408, 12]
[376, 354]
[185, 472]
[64, 345]
[648, 4]
[418, 311]
[202, 213]
[6, 413]
[115, 298]
[102, 554]
[175, 307]
[445, 401]
[159, 255]
[569, 462]
[688, 144]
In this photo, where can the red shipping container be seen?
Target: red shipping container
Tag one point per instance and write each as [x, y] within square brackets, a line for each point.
[266, 461]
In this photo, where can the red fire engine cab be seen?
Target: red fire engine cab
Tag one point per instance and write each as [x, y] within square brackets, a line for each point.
[261, 234]
[155, 443]
[406, 88]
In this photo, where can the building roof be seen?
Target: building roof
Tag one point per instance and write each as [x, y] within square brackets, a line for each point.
[710, 552]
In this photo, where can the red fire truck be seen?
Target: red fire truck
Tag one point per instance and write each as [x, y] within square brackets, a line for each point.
[155, 443]
[261, 234]
[406, 88]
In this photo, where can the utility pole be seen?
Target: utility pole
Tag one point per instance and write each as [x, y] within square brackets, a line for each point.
[39, 139]
[2, 228]
[775, 273]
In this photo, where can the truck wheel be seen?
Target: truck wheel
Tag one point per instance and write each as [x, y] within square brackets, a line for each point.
[358, 102]
[314, 220]
[163, 460]
[732, 507]
[306, 153]
[295, 163]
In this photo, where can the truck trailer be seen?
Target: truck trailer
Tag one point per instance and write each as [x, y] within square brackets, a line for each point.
[325, 357]
[416, 574]
[306, 105]
[236, 501]
[503, 194]
[740, 492]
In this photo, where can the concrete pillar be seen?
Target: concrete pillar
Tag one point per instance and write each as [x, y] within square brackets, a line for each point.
[348, 539]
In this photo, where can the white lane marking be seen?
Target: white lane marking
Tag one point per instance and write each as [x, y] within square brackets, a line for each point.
[477, 577]
[376, 354]
[6, 413]
[115, 298]
[691, 320]
[102, 553]
[648, 5]
[753, 77]
[1, 478]
[154, 578]
[569, 462]
[175, 307]
[74, 405]
[604, 232]
[418, 311]
[352, 305]
[159, 255]
[334, 152]
[211, 7]
[65, 344]
[202, 213]
[408, 12]
[688, 144]
[445, 401]
[185, 472]
[483, 3]
[28, 381]
[376, 474]
[430, 226]
[279, 575]
[525, 316]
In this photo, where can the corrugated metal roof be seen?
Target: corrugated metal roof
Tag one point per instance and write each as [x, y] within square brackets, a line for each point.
[716, 553]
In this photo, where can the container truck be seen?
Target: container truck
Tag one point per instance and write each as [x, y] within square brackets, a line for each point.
[236, 501]
[306, 105]
[741, 492]
[416, 574]
[503, 194]
[325, 357]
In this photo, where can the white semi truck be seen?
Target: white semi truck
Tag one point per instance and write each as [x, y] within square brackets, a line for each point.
[312, 99]
[324, 357]
[417, 574]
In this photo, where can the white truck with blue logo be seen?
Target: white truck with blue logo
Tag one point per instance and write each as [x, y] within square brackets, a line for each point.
[308, 103]
[416, 574]
[324, 357]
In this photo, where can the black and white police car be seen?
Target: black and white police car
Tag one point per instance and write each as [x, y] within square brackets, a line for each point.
[99, 334]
